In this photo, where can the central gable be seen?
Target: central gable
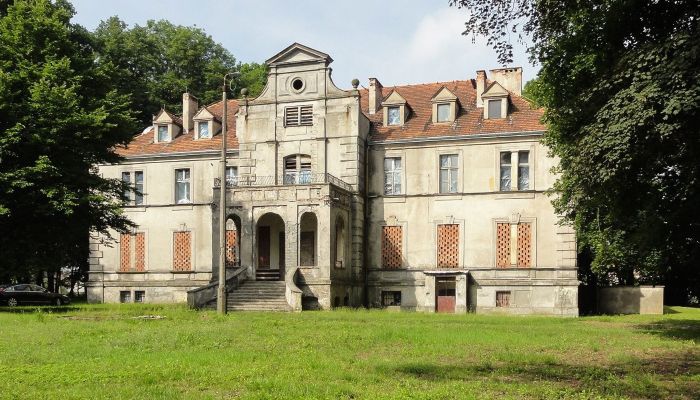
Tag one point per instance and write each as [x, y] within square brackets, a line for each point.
[299, 54]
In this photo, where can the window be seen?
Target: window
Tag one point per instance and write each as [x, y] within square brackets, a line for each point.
[449, 171]
[124, 296]
[502, 299]
[297, 169]
[162, 133]
[523, 170]
[126, 178]
[139, 296]
[494, 109]
[307, 248]
[297, 84]
[443, 113]
[298, 116]
[392, 247]
[231, 176]
[505, 171]
[132, 252]
[203, 127]
[514, 245]
[448, 246]
[182, 251]
[136, 187]
[393, 116]
[392, 175]
[391, 298]
[182, 186]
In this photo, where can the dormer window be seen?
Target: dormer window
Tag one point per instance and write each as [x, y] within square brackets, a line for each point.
[444, 106]
[494, 109]
[163, 133]
[393, 116]
[203, 129]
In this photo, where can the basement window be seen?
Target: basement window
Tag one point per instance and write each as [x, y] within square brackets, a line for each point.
[503, 299]
[391, 298]
[125, 296]
[139, 296]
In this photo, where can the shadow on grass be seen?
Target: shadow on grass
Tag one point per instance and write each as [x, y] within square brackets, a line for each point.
[672, 375]
[38, 309]
[678, 329]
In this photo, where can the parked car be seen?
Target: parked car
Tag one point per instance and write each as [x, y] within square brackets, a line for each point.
[28, 294]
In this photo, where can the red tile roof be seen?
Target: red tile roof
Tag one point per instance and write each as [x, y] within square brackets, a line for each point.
[142, 144]
[522, 117]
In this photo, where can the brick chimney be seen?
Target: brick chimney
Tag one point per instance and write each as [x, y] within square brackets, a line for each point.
[375, 95]
[510, 78]
[480, 86]
[189, 109]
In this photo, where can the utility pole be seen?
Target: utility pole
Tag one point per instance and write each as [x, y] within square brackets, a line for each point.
[221, 291]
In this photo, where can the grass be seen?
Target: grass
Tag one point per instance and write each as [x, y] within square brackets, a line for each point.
[103, 351]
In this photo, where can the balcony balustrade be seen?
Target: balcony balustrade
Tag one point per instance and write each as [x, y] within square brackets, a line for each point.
[287, 179]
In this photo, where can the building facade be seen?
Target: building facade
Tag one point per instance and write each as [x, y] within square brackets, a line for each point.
[423, 197]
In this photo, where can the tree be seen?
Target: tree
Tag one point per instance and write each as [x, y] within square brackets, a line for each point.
[156, 63]
[59, 116]
[619, 81]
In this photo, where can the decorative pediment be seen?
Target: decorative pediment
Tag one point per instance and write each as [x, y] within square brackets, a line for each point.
[495, 90]
[164, 117]
[298, 54]
[204, 115]
[444, 95]
[393, 98]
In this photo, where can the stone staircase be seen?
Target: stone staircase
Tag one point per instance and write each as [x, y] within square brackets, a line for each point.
[258, 296]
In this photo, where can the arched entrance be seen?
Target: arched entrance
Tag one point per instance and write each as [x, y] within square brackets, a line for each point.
[270, 247]
[308, 228]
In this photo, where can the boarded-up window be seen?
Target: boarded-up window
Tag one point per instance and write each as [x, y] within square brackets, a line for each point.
[125, 252]
[502, 245]
[231, 248]
[182, 251]
[392, 244]
[307, 248]
[391, 298]
[524, 245]
[140, 250]
[502, 299]
[296, 116]
[448, 245]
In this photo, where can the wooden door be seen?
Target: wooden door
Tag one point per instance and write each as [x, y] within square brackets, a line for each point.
[445, 295]
[263, 247]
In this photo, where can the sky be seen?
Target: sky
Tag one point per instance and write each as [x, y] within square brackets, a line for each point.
[396, 41]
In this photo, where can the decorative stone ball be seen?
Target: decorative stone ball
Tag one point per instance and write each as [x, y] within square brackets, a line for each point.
[355, 83]
[244, 92]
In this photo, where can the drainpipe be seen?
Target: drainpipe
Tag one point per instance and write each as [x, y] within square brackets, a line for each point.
[365, 229]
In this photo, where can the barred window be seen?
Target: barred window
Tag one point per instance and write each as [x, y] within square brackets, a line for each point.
[392, 175]
[391, 298]
[503, 299]
[139, 296]
[124, 296]
[299, 116]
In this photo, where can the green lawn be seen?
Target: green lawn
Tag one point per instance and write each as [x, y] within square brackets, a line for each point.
[102, 351]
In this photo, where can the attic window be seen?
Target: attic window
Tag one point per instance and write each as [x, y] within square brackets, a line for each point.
[297, 84]
[298, 116]
[495, 109]
[203, 127]
[394, 116]
[443, 112]
[162, 133]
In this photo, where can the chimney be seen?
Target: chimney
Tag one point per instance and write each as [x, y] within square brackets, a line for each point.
[510, 78]
[480, 86]
[189, 109]
[375, 95]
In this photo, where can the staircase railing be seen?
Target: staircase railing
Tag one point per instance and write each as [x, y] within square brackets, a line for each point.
[203, 296]
[292, 293]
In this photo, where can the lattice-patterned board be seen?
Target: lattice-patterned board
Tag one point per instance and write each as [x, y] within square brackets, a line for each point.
[502, 245]
[524, 245]
[392, 246]
[140, 249]
[231, 248]
[125, 252]
[448, 245]
[182, 251]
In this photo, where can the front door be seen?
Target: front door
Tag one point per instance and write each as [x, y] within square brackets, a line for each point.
[445, 295]
[263, 247]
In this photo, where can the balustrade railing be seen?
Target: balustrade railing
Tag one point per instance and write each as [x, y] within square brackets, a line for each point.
[287, 179]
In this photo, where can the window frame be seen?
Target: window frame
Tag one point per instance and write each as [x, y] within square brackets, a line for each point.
[449, 112]
[520, 175]
[231, 179]
[449, 171]
[514, 220]
[398, 115]
[133, 198]
[394, 171]
[300, 175]
[514, 150]
[498, 101]
[167, 132]
[304, 115]
[199, 129]
[189, 183]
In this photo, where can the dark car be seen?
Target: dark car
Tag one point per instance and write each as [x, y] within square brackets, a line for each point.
[28, 294]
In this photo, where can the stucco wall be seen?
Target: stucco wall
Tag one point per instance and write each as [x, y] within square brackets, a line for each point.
[631, 300]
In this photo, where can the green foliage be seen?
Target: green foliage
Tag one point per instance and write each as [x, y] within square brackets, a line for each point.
[156, 63]
[619, 82]
[344, 354]
[59, 116]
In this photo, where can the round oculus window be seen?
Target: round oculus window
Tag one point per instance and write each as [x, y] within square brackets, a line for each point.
[297, 84]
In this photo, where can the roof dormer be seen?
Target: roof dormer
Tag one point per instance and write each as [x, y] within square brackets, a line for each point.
[166, 127]
[444, 106]
[206, 124]
[495, 99]
[395, 109]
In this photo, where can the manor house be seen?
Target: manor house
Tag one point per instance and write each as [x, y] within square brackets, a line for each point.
[427, 197]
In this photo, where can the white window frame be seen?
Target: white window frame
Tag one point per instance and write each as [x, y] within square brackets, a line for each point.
[394, 181]
[167, 132]
[199, 129]
[449, 112]
[231, 175]
[187, 181]
[515, 150]
[388, 115]
[451, 170]
[133, 198]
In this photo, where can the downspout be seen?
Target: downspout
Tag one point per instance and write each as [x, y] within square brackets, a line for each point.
[365, 228]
